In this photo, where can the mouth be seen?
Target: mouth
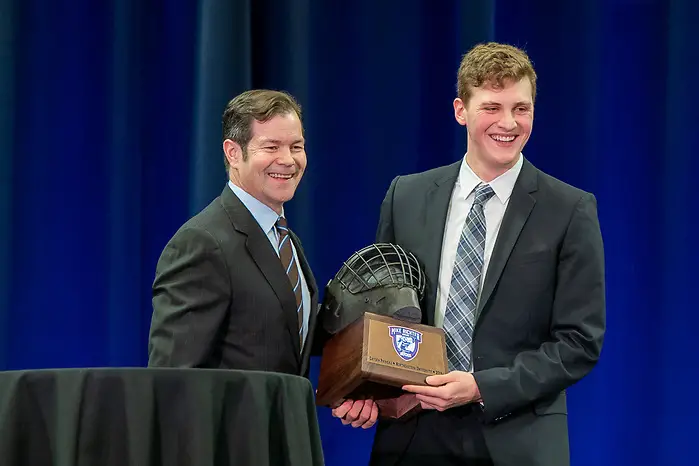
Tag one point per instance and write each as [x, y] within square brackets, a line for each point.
[281, 176]
[503, 139]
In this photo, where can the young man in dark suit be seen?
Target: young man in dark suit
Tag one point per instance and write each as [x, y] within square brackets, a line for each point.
[515, 276]
[232, 287]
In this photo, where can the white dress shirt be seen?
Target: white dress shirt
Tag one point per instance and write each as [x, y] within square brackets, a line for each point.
[459, 207]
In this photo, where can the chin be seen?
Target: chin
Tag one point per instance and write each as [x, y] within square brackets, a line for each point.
[284, 197]
[510, 160]
[503, 159]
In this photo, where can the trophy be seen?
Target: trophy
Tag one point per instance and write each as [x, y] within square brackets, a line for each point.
[371, 309]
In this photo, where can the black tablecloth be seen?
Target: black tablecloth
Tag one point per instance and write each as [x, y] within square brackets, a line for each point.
[144, 417]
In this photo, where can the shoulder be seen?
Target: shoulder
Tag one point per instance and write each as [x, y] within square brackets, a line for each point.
[560, 203]
[417, 183]
[433, 175]
[560, 191]
[206, 228]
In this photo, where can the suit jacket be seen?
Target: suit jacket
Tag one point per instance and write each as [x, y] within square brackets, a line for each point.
[222, 299]
[540, 322]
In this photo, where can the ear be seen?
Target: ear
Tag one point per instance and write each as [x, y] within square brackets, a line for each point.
[233, 152]
[460, 111]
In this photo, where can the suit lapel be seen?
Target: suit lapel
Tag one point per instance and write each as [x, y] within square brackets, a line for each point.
[267, 261]
[516, 215]
[313, 292]
[437, 202]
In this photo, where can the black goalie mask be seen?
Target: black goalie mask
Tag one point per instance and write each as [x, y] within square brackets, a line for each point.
[383, 279]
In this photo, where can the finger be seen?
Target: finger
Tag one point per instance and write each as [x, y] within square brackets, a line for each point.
[438, 403]
[342, 410]
[374, 416]
[355, 411]
[364, 415]
[441, 379]
[425, 405]
[423, 390]
[338, 403]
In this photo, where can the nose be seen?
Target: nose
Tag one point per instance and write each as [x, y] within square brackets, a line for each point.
[285, 157]
[507, 122]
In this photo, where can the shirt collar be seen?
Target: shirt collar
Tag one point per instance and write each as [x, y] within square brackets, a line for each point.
[502, 185]
[263, 214]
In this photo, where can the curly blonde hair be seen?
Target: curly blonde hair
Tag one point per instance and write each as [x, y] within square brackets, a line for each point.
[493, 63]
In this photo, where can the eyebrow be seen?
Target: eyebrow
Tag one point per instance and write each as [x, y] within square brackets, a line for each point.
[497, 104]
[280, 142]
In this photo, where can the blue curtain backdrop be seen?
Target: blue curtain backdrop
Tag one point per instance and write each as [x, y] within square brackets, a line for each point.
[110, 139]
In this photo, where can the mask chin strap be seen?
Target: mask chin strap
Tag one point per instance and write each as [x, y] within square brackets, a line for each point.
[332, 323]
[410, 314]
[400, 303]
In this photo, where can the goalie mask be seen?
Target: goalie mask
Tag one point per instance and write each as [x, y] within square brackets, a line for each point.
[383, 279]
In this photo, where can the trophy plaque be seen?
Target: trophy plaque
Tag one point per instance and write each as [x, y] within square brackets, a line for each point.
[376, 355]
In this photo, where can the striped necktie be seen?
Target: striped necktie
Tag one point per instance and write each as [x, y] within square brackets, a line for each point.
[460, 311]
[286, 254]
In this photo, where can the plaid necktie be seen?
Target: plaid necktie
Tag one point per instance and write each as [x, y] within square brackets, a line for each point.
[465, 284]
[286, 254]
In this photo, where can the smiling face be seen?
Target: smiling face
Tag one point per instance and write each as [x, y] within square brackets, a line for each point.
[271, 166]
[498, 120]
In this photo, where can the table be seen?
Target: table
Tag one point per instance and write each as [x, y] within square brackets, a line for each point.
[157, 416]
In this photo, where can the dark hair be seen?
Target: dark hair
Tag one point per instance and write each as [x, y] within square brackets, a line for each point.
[258, 104]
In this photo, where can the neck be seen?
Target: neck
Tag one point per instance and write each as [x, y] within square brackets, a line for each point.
[487, 172]
[233, 179]
[277, 208]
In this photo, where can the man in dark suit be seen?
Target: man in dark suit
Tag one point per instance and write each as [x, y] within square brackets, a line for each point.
[515, 276]
[232, 287]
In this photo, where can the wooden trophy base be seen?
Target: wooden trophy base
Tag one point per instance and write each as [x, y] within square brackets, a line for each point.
[374, 357]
